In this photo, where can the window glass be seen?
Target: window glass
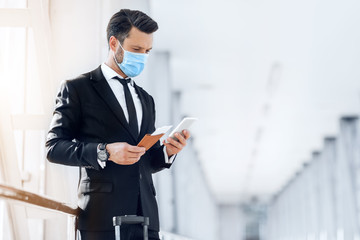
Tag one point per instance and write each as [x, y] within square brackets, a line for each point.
[5, 232]
[12, 65]
[20, 84]
[13, 3]
[33, 103]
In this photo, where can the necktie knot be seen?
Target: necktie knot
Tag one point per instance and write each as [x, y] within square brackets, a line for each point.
[123, 81]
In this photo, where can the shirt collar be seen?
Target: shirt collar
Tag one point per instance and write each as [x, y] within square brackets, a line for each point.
[109, 73]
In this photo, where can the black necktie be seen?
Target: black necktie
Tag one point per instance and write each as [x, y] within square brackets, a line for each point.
[133, 123]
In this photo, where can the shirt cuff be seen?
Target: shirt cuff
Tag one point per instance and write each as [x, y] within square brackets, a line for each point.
[167, 159]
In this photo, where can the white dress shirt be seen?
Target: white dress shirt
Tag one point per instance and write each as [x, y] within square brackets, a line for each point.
[118, 90]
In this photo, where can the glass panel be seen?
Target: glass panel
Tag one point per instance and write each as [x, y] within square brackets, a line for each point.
[12, 75]
[34, 159]
[13, 3]
[19, 138]
[36, 229]
[5, 229]
[12, 66]
[33, 103]
[1, 177]
[19, 80]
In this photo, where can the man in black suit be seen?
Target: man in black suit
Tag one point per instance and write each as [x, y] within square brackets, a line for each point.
[99, 118]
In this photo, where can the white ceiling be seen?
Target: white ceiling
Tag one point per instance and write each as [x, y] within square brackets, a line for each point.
[267, 79]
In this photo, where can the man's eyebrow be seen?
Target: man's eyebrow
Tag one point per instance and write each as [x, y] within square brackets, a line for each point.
[137, 46]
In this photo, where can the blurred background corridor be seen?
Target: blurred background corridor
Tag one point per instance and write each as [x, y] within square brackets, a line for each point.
[275, 84]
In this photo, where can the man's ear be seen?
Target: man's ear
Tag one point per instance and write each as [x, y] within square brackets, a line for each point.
[113, 42]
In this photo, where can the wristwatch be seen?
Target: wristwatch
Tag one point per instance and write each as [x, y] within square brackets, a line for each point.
[102, 153]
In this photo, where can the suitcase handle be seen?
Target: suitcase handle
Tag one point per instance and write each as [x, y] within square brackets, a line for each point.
[130, 219]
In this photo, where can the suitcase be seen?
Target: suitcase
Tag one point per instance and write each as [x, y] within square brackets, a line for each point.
[130, 219]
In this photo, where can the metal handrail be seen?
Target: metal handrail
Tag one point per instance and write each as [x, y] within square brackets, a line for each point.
[13, 193]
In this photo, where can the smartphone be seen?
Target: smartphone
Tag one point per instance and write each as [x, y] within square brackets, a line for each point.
[184, 124]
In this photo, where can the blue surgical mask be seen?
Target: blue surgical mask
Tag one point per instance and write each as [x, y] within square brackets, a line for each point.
[132, 63]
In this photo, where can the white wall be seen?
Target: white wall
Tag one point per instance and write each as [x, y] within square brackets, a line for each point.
[186, 204]
[196, 209]
[322, 201]
[232, 222]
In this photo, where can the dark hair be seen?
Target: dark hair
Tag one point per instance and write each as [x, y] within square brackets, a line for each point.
[121, 23]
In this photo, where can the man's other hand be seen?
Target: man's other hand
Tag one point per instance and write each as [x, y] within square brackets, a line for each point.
[173, 146]
[123, 153]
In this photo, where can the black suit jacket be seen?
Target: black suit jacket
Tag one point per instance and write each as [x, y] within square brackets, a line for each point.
[87, 113]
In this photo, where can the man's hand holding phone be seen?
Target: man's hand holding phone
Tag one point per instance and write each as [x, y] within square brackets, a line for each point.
[176, 143]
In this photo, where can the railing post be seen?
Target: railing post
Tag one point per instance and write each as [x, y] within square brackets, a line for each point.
[71, 229]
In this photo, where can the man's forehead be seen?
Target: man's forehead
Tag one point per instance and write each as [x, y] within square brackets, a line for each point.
[139, 38]
[136, 42]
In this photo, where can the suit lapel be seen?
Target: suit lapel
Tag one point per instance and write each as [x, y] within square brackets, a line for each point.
[146, 113]
[102, 87]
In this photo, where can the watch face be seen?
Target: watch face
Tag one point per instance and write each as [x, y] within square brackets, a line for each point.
[102, 156]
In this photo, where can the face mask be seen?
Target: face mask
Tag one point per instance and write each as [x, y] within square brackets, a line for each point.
[132, 63]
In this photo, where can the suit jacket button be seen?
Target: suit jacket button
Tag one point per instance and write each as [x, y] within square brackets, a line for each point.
[140, 176]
